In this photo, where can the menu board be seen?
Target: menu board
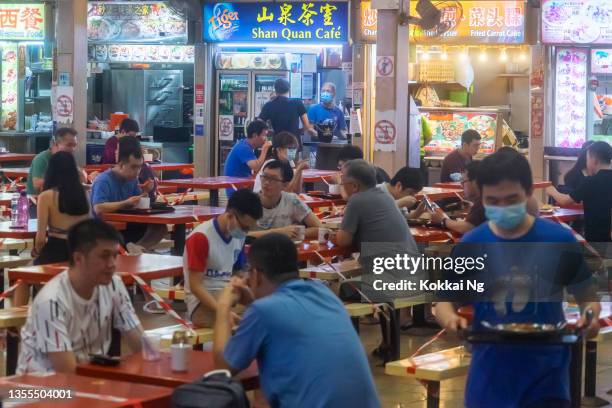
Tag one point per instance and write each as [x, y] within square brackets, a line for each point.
[141, 53]
[22, 22]
[601, 61]
[446, 129]
[123, 22]
[8, 121]
[570, 97]
[251, 61]
[310, 22]
[468, 22]
[577, 21]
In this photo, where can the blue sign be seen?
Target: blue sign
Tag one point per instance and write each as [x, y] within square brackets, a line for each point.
[315, 22]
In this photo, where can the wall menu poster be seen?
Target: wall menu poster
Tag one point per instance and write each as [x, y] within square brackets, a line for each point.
[447, 128]
[570, 97]
[141, 53]
[467, 22]
[137, 22]
[601, 61]
[577, 22]
[8, 101]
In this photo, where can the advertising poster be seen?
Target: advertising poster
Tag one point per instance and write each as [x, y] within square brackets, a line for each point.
[22, 21]
[313, 22]
[9, 102]
[577, 22]
[447, 128]
[570, 97]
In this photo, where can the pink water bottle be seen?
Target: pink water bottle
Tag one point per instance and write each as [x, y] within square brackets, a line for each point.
[23, 213]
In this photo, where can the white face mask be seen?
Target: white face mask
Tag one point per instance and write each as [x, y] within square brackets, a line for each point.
[291, 154]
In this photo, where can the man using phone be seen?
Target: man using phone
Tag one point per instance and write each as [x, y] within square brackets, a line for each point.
[72, 316]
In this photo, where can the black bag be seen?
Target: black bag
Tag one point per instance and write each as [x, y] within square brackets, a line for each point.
[217, 389]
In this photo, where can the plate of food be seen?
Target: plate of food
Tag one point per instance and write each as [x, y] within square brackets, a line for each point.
[584, 31]
[599, 11]
[547, 209]
[555, 13]
[526, 329]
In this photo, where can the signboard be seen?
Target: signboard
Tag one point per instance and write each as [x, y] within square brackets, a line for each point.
[469, 22]
[385, 67]
[226, 127]
[125, 22]
[601, 61]
[312, 22]
[22, 22]
[141, 53]
[63, 104]
[571, 97]
[9, 86]
[385, 132]
[369, 22]
[576, 22]
[199, 93]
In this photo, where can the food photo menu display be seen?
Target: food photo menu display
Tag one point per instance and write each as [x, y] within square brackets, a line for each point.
[570, 95]
[577, 21]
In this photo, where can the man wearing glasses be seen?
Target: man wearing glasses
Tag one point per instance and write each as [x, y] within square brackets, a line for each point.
[213, 251]
[283, 212]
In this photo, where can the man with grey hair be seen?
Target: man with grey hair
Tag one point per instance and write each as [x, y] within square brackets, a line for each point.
[328, 111]
[373, 225]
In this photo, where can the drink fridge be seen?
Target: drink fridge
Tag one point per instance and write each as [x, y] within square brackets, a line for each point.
[241, 92]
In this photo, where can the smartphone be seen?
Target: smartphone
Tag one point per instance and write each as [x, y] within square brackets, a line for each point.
[101, 359]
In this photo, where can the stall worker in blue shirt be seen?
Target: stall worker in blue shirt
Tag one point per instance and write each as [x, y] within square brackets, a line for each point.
[328, 111]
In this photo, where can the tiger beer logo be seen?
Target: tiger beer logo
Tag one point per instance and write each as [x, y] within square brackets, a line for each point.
[224, 22]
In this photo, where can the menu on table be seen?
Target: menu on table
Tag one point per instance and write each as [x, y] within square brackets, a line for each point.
[570, 97]
[577, 21]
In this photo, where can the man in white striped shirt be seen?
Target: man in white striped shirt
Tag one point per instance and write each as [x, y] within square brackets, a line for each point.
[72, 316]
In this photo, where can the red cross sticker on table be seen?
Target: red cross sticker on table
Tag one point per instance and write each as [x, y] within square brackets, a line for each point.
[63, 106]
[385, 132]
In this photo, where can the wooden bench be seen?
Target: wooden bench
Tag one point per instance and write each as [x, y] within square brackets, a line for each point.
[12, 318]
[9, 262]
[171, 293]
[431, 369]
[191, 196]
[203, 335]
[15, 245]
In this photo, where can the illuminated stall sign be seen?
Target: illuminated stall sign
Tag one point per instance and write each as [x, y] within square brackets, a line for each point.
[137, 22]
[577, 22]
[315, 22]
[474, 22]
[368, 25]
[22, 22]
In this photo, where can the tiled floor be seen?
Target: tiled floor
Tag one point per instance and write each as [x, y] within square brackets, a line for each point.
[398, 392]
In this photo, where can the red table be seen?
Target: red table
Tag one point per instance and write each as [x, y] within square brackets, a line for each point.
[134, 369]
[213, 184]
[437, 193]
[183, 214]
[314, 175]
[146, 266]
[564, 215]
[307, 251]
[88, 392]
[423, 234]
[18, 233]
[536, 184]
[16, 157]
[154, 166]
[15, 172]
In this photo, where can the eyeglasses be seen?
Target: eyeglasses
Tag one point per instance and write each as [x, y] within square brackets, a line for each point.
[269, 179]
[240, 224]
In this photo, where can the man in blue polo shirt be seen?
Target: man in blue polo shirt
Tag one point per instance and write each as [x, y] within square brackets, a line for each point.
[529, 263]
[328, 111]
[307, 351]
[241, 161]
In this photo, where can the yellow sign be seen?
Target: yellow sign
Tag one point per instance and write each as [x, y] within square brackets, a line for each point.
[368, 23]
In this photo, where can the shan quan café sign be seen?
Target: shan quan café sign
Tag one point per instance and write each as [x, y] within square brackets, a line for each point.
[266, 22]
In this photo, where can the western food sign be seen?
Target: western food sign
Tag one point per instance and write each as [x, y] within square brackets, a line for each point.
[22, 22]
[316, 22]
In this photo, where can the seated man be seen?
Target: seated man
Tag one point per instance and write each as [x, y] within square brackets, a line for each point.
[74, 312]
[117, 188]
[128, 127]
[212, 251]
[241, 161]
[307, 351]
[403, 187]
[351, 152]
[282, 211]
[455, 162]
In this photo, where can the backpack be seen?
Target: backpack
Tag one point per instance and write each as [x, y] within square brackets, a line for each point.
[217, 389]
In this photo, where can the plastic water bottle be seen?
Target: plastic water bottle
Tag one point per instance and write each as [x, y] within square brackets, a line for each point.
[15, 210]
[23, 210]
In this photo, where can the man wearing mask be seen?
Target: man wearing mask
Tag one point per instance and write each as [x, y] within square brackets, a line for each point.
[529, 263]
[327, 110]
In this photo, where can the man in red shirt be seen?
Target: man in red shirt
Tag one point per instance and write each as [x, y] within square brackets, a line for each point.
[456, 162]
[128, 127]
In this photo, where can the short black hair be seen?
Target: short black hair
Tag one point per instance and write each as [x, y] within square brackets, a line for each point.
[505, 165]
[129, 125]
[472, 170]
[255, 128]
[602, 151]
[285, 169]
[284, 139]
[245, 202]
[410, 178]
[276, 256]
[469, 136]
[84, 235]
[350, 152]
[129, 146]
[63, 132]
[281, 86]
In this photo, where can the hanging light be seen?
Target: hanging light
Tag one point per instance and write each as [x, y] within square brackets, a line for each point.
[425, 55]
[483, 54]
[503, 56]
[444, 55]
[523, 55]
[463, 55]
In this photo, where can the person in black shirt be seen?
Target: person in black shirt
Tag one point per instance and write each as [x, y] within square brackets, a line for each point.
[577, 174]
[595, 193]
[284, 113]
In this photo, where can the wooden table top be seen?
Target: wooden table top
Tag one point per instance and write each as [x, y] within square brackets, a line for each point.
[314, 175]
[154, 166]
[183, 214]
[15, 157]
[307, 250]
[19, 233]
[134, 369]
[210, 183]
[14, 172]
[436, 366]
[146, 266]
[13, 316]
[436, 193]
[564, 214]
[536, 184]
[348, 269]
[87, 391]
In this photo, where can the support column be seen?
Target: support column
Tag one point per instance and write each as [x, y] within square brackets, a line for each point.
[71, 58]
[391, 89]
[202, 129]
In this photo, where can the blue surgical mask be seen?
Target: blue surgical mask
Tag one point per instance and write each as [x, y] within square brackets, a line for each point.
[238, 233]
[291, 153]
[508, 217]
[327, 97]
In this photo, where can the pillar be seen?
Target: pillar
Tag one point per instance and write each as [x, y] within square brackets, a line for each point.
[71, 57]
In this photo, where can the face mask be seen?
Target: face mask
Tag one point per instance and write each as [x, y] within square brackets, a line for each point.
[238, 233]
[291, 153]
[326, 97]
[507, 218]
